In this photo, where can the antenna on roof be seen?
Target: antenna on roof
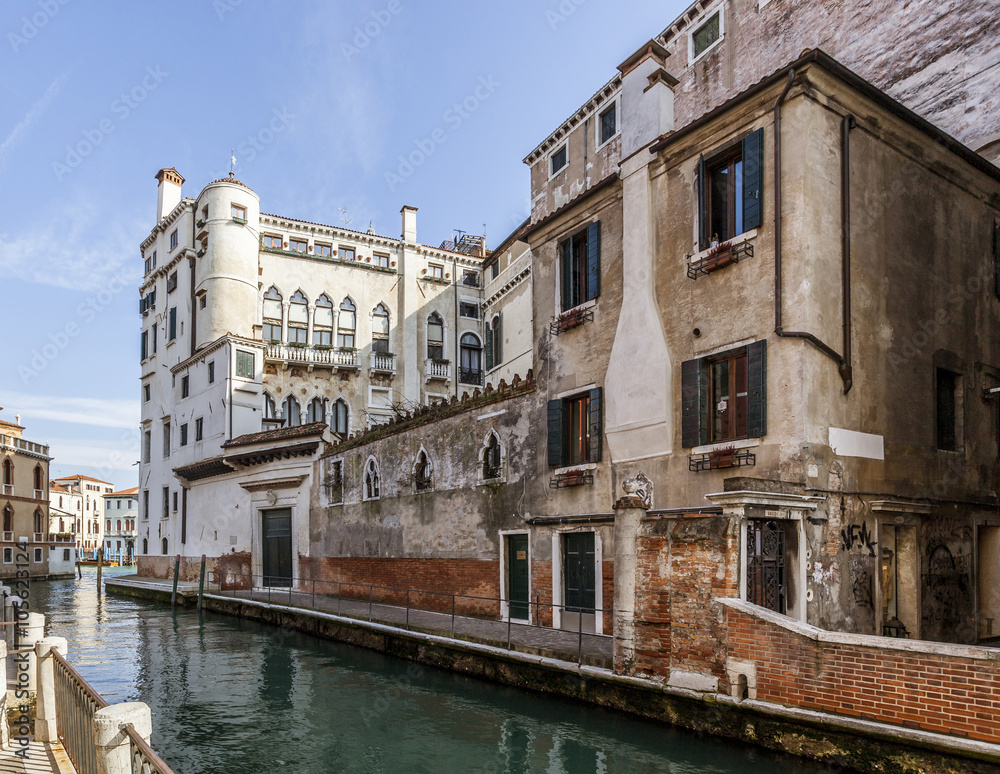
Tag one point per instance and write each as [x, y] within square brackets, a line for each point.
[347, 220]
[232, 162]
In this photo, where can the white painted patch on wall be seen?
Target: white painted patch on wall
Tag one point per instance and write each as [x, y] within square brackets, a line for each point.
[491, 414]
[850, 443]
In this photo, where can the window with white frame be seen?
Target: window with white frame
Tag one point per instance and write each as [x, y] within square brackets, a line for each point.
[323, 322]
[380, 329]
[706, 36]
[435, 336]
[315, 411]
[271, 241]
[372, 485]
[291, 411]
[347, 324]
[558, 160]
[607, 124]
[491, 457]
[298, 318]
[339, 417]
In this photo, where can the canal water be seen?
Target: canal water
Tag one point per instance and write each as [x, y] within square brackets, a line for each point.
[236, 697]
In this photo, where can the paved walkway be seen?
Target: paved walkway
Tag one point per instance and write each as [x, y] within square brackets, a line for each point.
[522, 637]
[43, 758]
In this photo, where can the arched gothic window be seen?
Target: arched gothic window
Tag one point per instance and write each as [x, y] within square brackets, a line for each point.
[8, 519]
[471, 370]
[118, 525]
[298, 319]
[347, 324]
[338, 417]
[492, 457]
[39, 521]
[315, 411]
[372, 487]
[323, 322]
[270, 409]
[272, 316]
[145, 546]
[291, 412]
[380, 329]
[163, 546]
[39, 478]
[423, 473]
[8, 473]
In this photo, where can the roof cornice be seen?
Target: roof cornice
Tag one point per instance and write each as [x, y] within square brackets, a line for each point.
[603, 95]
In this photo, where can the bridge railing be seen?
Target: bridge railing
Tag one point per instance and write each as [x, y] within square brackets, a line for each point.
[76, 704]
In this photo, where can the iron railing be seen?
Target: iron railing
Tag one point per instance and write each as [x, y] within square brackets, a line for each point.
[470, 376]
[76, 703]
[144, 758]
[360, 601]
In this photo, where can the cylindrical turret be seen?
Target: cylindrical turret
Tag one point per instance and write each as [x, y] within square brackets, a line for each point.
[227, 239]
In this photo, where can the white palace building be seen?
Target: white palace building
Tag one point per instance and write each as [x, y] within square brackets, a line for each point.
[265, 338]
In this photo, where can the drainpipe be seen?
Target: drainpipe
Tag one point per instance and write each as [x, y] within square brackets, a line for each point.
[843, 363]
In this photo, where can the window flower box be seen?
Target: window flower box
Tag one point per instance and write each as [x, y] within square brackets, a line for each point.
[572, 478]
[720, 256]
[569, 320]
[727, 457]
[347, 349]
[440, 361]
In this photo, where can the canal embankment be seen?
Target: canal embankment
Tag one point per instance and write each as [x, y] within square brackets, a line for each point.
[555, 669]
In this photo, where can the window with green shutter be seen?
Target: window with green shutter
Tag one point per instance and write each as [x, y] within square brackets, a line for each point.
[730, 187]
[575, 429]
[580, 267]
[724, 397]
[244, 364]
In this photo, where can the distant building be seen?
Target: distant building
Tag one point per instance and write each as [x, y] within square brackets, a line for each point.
[121, 510]
[89, 526]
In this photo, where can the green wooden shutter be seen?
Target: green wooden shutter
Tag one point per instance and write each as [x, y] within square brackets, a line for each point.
[694, 399]
[996, 259]
[172, 324]
[566, 273]
[555, 428]
[593, 260]
[702, 215]
[757, 389]
[596, 424]
[753, 179]
[143, 348]
[488, 353]
[498, 327]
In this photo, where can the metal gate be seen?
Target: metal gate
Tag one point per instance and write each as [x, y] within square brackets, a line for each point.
[766, 564]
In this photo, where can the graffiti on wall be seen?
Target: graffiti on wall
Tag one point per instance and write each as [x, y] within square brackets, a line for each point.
[858, 536]
[863, 580]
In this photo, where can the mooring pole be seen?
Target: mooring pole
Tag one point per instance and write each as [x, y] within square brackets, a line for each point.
[100, 563]
[177, 570]
[201, 581]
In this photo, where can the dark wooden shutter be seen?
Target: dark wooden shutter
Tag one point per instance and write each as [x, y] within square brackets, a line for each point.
[757, 389]
[596, 424]
[172, 324]
[555, 428]
[143, 348]
[996, 259]
[753, 179]
[498, 349]
[702, 215]
[488, 348]
[694, 398]
[593, 260]
[566, 274]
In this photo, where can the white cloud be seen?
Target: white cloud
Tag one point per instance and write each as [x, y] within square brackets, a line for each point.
[100, 412]
[34, 113]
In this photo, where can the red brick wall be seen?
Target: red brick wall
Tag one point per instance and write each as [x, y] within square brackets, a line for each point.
[942, 693]
[470, 578]
[607, 601]
[541, 590]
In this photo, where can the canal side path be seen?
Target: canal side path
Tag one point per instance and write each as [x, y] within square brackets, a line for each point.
[42, 758]
[558, 644]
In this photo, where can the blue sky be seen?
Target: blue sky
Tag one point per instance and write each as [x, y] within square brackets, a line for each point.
[320, 100]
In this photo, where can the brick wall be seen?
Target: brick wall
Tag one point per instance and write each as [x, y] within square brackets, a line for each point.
[930, 688]
[541, 590]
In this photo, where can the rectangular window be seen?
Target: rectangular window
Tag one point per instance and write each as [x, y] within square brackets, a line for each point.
[730, 186]
[297, 334]
[298, 245]
[166, 502]
[608, 124]
[271, 332]
[382, 261]
[703, 37]
[153, 337]
[211, 372]
[145, 504]
[175, 502]
[172, 324]
[239, 212]
[145, 393]
[184, 434]
[8, 555]
[346, 253]
[322, 338]
[946, 387]
[173, 239]
[272, 242]
[172, 283]
[470, 279]
[435, 338]
[202, 300]
[147, 442]
[723, 397]
[166, 439]
[144, 346]
[199, 428]
[245, 364]
[558, 160]
[325, 250]
[467, 309]
[574, 429]
[38, 555]
[435, 271]
[185, 386]
[495, 269]
[580, 267]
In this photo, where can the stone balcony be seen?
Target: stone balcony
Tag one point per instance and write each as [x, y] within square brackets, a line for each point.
[383, 363]
[19, 444]
[342, 359]
[439, 370]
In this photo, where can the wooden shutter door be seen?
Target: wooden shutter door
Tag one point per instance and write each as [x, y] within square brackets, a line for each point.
[753, 179]
[593, 260]
[498, 349]
[694, 399]
[488, 346]
[702, 215]
[555, 433]
[757, 389]
[596, 424]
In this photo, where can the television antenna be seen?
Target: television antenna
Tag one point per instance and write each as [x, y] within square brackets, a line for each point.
[347, 220]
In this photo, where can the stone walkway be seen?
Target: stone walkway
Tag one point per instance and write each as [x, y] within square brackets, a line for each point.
[522, 637]
[43, 758]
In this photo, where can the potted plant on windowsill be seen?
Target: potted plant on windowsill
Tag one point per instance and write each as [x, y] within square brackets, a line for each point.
[347, 349]
[723, 458]
[322, 346]
[719, 256]
[440, 361]
[297, 344]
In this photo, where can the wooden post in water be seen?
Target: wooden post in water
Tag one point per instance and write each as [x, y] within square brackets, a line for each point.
[201, 581]
[177, 569]
[100, 562]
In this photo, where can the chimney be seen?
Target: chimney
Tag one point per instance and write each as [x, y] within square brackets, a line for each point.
[647, 103]
[409, 224]
[168, 195]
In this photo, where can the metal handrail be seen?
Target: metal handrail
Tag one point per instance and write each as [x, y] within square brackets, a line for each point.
[144, 758]
[307, 586]
[76, 703]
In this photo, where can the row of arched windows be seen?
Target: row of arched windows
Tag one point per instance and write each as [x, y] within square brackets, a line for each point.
[129, 524]
[316, 410]
[326, 329]
[38, 522]
[163, 546]
[8, 475]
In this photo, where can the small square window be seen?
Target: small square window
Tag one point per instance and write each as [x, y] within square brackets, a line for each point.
[244, 364]
[145, 393]
[271, 241]
[466, 309]
[435, 271]
[298, 245]
[211, 372]
[706, 35]
[8, 556]
[239, 212]
[380, 260]
[173, 239]
[609, 124]
[324, 250]
[559, 160]
[346, 253]
[38, 556]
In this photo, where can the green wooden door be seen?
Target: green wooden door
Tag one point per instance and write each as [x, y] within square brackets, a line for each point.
[517, 576]
[277, 541]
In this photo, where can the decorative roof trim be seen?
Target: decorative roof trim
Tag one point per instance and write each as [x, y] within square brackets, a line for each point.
[605, 94]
